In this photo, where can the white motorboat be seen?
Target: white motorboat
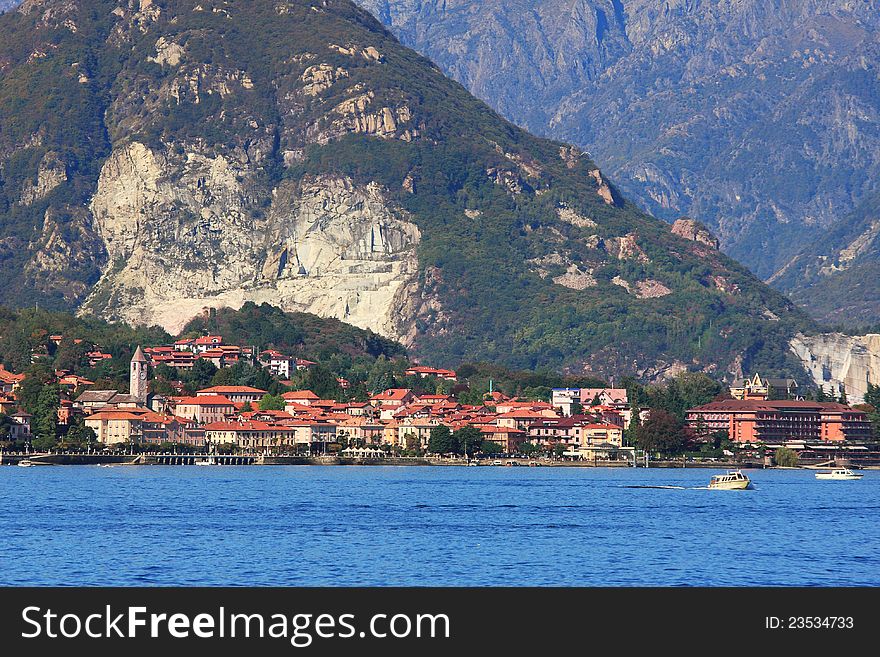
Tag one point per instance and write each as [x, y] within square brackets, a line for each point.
[25, 463]
[841, 474]
[731, 480]
[208, 461]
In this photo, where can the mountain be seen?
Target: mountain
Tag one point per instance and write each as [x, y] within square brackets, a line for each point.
[761, 119]
[836, 275]
[158, 158]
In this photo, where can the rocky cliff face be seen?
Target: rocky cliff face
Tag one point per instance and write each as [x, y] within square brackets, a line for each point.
[760, 119]
[841, 362]
[177, 244]
[159, 157]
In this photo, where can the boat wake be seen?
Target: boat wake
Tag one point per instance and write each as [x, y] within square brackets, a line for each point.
[676, 487]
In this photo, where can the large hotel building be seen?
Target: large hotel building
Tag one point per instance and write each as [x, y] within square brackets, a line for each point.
[748, 421]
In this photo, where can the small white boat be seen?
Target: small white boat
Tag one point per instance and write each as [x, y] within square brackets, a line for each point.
[26, 463]
[731, 480]
[208, 461]
[841, 474]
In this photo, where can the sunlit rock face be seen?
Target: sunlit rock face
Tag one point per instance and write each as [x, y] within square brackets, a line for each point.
[180, 235]
[841, 362]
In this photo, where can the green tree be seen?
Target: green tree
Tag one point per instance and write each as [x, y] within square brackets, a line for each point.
[685, 391]
[785, 457]
[323, 382]
[872, 396]
[441, 441]
[163, 371]
[536, 393]
[272, 403]
[381, 376]
[79, 435]
[490, 447]
[226, 376]
[630, 434]
[37, 377]
[413, 444]
[45, 422]
[6, 424]
[470, 440]
[200, 375]
[662, 432]
[872, 408]
[528, 448]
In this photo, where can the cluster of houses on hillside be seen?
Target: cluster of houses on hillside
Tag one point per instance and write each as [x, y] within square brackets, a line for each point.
[394, 419]
[586, 422]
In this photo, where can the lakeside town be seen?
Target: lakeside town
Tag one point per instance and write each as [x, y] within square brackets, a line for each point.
[756, 418]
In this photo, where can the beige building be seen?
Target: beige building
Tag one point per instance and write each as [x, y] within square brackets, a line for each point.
[205, 409]
[314, 432]
[114, 427]
[248, 435]
[360, 430]
[416, 429]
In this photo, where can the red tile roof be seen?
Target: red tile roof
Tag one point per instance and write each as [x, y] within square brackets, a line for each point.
[758, 405]
[225, 390]
[115, 415]
[300, 394]
[393, 394]
[207, 400]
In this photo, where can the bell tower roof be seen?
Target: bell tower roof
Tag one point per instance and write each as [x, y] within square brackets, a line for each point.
[139, 356]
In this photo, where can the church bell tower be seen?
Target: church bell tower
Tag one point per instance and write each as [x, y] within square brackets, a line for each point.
[137, 381]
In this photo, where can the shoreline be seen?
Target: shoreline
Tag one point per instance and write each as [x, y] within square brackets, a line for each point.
[239, 460]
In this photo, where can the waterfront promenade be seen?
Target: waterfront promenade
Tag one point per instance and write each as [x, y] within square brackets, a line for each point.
[165, 458]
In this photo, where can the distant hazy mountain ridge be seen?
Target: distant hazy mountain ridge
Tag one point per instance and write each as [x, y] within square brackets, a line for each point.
[760, 119]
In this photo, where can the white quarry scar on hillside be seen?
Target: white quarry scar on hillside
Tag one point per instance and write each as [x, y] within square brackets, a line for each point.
[841, 362]
[183, 235]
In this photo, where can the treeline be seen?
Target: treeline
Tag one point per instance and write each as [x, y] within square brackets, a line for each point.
[25, 338]
[293, 333]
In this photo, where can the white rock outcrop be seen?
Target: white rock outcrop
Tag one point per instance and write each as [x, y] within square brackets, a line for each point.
[198, 238]
[50, 175]
[835, 360]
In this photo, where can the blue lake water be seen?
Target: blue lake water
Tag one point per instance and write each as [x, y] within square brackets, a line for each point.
[432, 526]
